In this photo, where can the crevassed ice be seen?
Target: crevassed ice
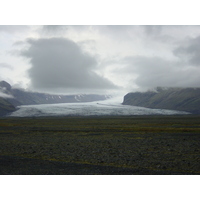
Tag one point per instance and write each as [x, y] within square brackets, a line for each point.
[98, 108]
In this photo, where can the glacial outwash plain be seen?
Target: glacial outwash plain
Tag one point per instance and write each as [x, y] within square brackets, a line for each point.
[104, 145]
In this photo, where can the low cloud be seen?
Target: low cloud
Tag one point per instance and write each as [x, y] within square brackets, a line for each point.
[5, 95]
[189, 51]
[155, 71]
[5, 66]
[59, 63]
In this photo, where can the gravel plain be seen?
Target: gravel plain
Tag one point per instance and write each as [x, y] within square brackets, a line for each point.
[134, 145]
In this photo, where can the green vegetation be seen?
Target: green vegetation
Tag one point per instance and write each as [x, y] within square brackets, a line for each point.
[159, 144]
[182, 99]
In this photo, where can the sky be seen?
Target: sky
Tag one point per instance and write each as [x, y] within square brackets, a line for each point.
[99, 58]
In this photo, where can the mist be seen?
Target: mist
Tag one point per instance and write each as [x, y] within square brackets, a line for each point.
[4, 95]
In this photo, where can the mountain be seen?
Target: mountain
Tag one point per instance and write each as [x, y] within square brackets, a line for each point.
[6, 87]
[33, 98]
[181, 99]
[6, 107]
[12, 97]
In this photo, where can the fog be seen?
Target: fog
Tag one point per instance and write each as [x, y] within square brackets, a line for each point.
[2, 94]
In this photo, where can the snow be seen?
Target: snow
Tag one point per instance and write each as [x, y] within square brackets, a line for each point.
[76, 98]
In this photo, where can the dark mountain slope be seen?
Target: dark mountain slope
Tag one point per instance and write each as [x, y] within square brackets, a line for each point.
[22, 97]
[182, 99]
[6, 107]
[32, 98]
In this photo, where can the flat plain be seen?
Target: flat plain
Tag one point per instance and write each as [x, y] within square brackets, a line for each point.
[133, 145]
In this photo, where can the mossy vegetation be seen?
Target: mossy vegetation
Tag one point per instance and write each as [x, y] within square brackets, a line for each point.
[143, 144]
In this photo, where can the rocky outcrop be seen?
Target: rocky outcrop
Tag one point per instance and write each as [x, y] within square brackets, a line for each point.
[182, 99]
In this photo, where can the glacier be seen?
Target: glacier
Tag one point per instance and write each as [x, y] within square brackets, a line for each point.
[109, 107]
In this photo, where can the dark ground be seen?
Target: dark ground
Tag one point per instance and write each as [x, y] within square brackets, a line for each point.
[140, 145]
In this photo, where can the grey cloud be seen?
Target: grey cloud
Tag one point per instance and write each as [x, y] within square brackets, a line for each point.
[117, 27]
[13, 28]
[159, 33]
[189, 51]
[152, 29]
[62, 28]
[60, 63]
[155, 71]
[54, 28]
[116, 32]
[123, 29]
[147, 33]
[6, 66]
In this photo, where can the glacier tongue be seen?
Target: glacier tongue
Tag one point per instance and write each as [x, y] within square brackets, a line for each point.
[98, 108]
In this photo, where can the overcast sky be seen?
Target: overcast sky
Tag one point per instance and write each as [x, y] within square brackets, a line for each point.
[98, 59]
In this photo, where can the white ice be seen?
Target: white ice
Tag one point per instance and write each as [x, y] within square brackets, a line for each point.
[111, 106]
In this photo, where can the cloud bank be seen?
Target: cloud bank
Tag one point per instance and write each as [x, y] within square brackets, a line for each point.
[156, 71]
[59, 63]
[85, 58]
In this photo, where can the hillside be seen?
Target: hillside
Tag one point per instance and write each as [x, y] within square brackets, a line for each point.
[182, 99]
[22, 97]
[5, 107]
[33, 98]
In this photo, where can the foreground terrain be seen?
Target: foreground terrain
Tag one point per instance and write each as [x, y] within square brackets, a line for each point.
[100, 145]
